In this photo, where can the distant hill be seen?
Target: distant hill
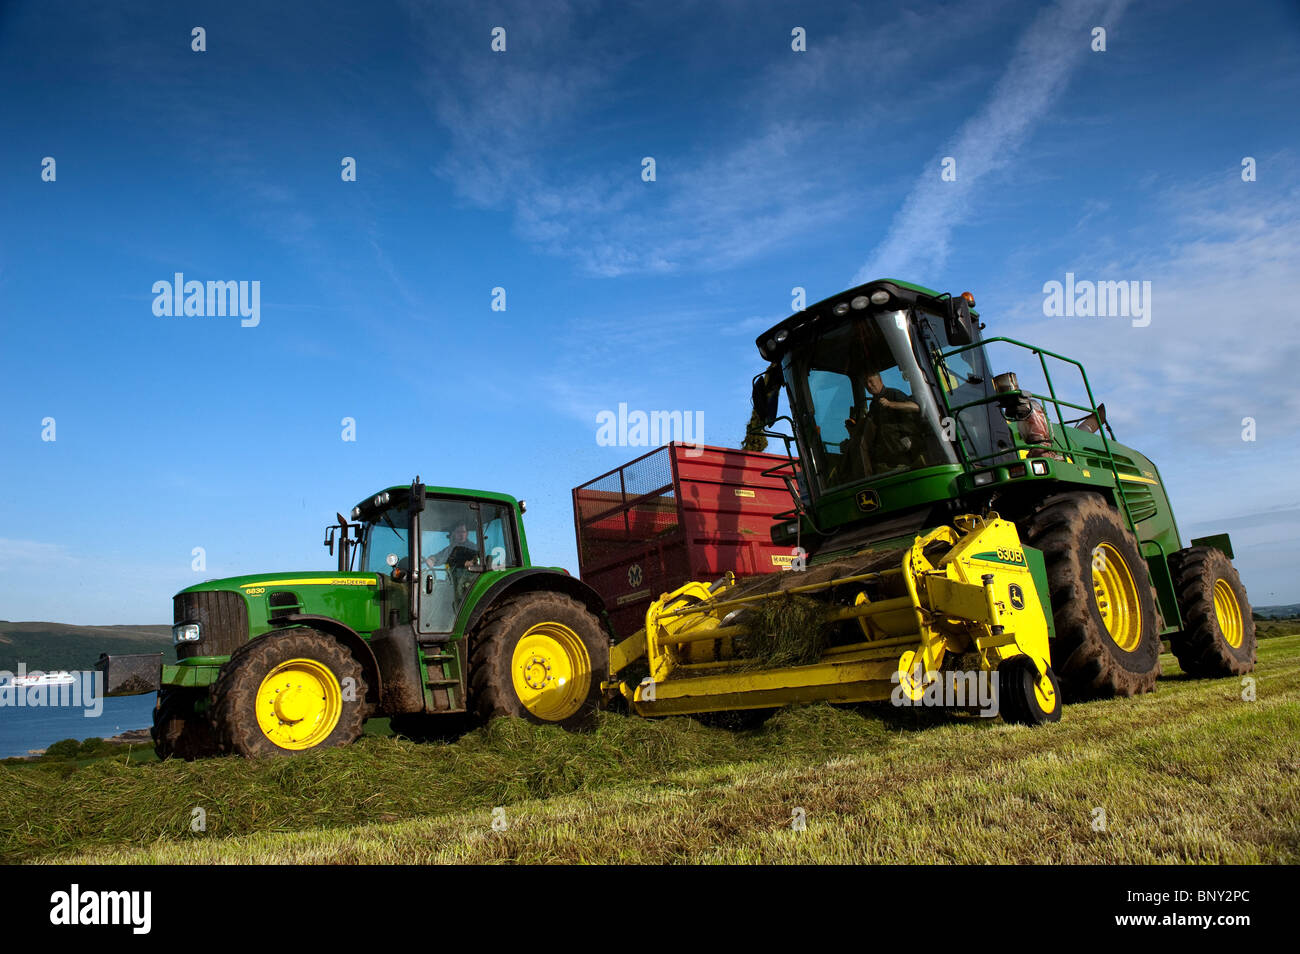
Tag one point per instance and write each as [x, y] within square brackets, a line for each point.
[56, 646]
[1289, 611]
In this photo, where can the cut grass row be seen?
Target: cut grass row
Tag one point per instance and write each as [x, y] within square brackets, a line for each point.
[1192, 773]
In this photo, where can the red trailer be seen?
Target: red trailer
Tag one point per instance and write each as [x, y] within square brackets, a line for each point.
[681, 512]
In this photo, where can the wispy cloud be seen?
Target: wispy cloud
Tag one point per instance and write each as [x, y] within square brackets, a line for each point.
[1046, 56]
[782, 163]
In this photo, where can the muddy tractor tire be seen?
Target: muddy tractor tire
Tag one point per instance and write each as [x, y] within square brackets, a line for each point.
[538, 656]
[1218, 635]
[178, 731]
[287, 694]
[1107, 639]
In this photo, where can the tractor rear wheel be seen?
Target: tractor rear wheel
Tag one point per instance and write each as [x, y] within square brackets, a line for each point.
[178, 731]
[1107, 627]
[1218, 637]
[538, 656]
[287, 694]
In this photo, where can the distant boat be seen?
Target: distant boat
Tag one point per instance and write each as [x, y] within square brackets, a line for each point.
[44, 679]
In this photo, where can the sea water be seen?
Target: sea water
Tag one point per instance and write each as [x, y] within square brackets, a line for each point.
[23, 728]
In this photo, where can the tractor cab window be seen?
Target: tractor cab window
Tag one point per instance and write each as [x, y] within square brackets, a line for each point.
[459, 541]
[872, 414]
[964, 378]
[386, 535]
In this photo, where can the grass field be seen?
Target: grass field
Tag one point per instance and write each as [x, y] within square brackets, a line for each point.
[1192, 773]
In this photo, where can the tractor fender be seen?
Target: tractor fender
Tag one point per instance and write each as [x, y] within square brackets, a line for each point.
[533, 579]
[346, 635]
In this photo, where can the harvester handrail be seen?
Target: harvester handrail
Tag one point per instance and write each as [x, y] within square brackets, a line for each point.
[1042, 353]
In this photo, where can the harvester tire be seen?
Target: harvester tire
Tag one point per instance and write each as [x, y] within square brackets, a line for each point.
[1019, 703]
[177, 731]
[1107, 639]
[1218, 636]
[288, 694]
[538, 656]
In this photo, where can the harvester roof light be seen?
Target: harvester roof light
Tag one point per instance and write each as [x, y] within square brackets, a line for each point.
[381, 499]
[782, 335]
[523, 506]
[879, 296]
[860, 302]
[356, 513]
[1039, 467]
[970, 299]
[841, 309]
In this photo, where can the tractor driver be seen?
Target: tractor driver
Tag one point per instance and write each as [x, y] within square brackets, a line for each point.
[459, 553]
[886, 425]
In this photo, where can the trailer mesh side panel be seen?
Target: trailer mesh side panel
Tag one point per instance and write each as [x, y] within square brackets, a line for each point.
[634, 504]
[222, 619]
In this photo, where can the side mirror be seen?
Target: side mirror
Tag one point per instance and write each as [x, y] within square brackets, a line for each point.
[957, 323]
[766, 396]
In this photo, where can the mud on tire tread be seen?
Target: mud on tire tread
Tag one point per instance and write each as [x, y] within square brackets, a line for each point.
[233, 696]
[1200, 648]
[491, 688]
[179, 732]
[1087, 661]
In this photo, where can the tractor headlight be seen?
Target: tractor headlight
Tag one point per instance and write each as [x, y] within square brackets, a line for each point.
[1039, 467]
[185, 633]
[984, 478]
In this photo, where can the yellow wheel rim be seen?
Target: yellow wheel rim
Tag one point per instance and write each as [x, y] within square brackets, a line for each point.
[1228, 613]
[1045, 694]
[1117, 597]
[911, 675]
[299, 704]
[551, 670]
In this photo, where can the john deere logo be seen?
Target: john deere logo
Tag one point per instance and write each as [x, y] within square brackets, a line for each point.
[634, 575]
[868, 501]
[1017, 596]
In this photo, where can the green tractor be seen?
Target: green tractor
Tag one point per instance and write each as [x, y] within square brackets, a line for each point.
[901, 425]
[434, 619]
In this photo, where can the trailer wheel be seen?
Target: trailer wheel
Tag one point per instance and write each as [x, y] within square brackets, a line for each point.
[1107, 627]
[1022, 700]
[288, 694]
[178, 731]
[538, 656]
[1218, 636]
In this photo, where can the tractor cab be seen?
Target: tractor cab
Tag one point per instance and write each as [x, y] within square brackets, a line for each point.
[870, 378]
[434, 543]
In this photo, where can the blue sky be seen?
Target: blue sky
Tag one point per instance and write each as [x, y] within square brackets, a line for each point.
[522, 170]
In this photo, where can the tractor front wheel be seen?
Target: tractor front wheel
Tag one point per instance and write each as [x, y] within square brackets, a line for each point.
[288, 694]
[178, 731]
[538, 656]
[1218, 636]
[1107, 627]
